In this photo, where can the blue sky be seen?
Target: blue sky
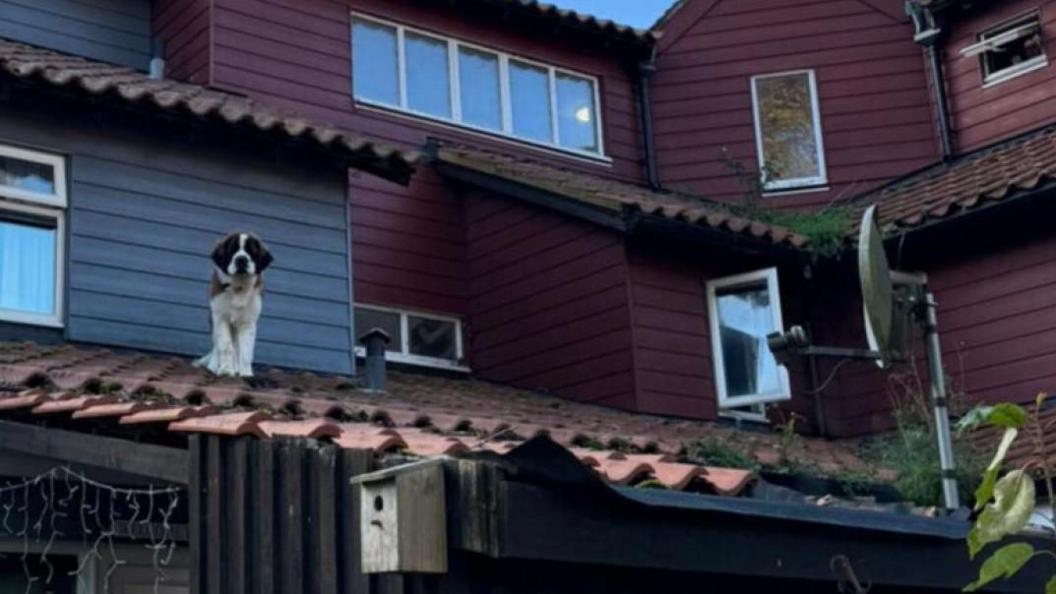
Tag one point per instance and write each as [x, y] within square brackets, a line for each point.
[637, 13]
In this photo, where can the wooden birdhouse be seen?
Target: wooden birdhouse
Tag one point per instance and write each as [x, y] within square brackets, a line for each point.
[402, 519]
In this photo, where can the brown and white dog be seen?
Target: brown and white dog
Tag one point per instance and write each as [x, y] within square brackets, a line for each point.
[235, 301]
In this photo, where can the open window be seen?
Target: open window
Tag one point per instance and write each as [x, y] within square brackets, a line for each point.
[744, 309]
[416, 338]
[788, 131]
[32, 220]
[1012, 49]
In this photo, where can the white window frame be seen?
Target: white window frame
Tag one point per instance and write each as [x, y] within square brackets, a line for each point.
[506, 107]
[802, 182]
[769, 275]
[47, 206]
[405, 356]
[989, 42]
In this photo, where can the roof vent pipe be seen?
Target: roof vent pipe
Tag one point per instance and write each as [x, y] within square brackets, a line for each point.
[374, 341]
[157, 58]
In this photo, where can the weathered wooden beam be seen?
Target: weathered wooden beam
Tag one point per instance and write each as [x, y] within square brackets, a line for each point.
[168, 464]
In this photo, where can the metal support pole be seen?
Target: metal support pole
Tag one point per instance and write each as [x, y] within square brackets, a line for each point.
[939, 399]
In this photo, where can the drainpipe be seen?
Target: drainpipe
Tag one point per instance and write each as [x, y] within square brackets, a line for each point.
[927, 36]
[645, 71]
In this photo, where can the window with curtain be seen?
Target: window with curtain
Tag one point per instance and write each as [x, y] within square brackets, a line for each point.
[397, 67]
[788, 130]
[744, 309]
[32, 194]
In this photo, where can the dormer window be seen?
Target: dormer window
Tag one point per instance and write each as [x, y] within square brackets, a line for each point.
[32, 199]
[443, 79]
[1010, 50]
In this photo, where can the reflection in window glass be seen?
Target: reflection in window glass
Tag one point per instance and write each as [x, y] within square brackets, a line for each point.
[530, 101]
[368, 319]
[27, 175]
[576, 120]
[27, 267]
[787, 129]
[376, 72]
[478, 74]
[428, 89]
[432, 338]
[745, 318]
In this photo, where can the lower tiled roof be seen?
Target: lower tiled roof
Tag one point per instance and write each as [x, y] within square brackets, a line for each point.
[989, 176]
[424, 415]
[131, 87]
[615, 196]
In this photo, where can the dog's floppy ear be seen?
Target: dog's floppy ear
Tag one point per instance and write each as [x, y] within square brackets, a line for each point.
[224, 249]
[259, 252]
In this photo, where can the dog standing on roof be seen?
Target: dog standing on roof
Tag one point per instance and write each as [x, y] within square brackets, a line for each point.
[235, 301]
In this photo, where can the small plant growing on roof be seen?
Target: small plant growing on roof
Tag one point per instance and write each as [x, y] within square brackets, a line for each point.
[825, 229]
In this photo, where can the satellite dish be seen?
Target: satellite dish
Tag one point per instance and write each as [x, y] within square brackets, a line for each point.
[877, 290]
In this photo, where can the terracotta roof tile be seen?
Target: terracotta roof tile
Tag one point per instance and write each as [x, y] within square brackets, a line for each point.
[988, 176]
[69, 405]
[410, 398]
[612, 196]
[167, 415]
[240, 423]
[579, 19]
[130, 86]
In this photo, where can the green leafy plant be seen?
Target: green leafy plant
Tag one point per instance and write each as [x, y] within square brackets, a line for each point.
[1005, 504]
[825, 229]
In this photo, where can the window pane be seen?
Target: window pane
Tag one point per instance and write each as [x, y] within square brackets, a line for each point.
[1026, 47]
[368, 319]
[478, 75]
[27, 175]
[745, 318]
[530, 99]
[375, 67]
[786, 122]
[432, 338]
[576, 120]
[27, 267]
[428, 82]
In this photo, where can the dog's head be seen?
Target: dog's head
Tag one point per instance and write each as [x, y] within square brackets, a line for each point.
[241, 253]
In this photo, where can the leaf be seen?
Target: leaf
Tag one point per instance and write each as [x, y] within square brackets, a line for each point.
[1050, 586]
[973, 418]
[986, 487]
[1004, 563]
[1007, 415]
[1012, 506]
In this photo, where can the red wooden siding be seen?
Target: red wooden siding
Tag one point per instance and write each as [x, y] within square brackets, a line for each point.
[548, 302]
[408, 246]
[672, 345]
[185, 27]
[874, 100]
[296, 53]
[984, 115]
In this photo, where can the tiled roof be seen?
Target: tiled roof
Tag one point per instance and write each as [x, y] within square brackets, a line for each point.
[128, 86]
[614, 196]
[580, 19]
[996, 174]
[424, 415]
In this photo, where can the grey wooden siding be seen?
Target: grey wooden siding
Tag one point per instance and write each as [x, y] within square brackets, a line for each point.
[115, 31]
[143, 218]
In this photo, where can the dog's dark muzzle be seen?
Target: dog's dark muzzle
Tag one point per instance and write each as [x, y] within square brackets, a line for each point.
[241, 264]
